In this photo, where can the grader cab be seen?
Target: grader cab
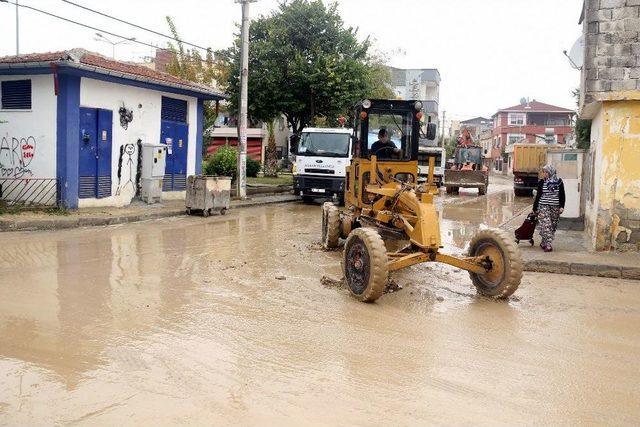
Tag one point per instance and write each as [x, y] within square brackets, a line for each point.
[382, 197]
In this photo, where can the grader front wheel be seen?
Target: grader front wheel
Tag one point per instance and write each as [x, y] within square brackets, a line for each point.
[365, 264]
[505, 274]
[330, 225]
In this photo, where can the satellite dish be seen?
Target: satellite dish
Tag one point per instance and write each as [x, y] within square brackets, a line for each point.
[576, 54]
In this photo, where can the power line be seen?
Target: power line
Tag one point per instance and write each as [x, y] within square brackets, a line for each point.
[81, 24]
[134, 25]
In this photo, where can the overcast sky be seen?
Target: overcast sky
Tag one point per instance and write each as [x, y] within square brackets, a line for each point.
[490, 53]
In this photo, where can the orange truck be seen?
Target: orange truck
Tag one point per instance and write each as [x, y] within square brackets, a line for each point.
[525, 162]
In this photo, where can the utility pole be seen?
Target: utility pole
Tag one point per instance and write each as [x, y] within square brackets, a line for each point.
[241, 178]
[17, 31]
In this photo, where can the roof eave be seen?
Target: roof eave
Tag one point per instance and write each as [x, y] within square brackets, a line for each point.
[204, 94]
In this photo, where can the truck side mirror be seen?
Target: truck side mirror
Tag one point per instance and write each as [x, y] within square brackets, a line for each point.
[432, 131]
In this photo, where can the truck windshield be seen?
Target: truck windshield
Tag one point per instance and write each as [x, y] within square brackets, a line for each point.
[324, 144]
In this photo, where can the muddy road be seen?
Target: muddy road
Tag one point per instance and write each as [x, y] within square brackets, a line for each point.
[226, 320]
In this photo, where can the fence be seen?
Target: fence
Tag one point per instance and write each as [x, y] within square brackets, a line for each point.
[29, 191]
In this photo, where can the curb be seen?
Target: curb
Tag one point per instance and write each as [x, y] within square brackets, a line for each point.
[580, 269]
[65, 223]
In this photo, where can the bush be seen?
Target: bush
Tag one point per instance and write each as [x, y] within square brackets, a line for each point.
[222, 162]
[253, 167]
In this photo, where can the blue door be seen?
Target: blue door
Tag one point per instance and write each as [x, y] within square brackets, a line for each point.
[174, 133]
[95, 153]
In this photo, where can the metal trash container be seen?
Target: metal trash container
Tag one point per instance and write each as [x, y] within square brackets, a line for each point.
[207, 193]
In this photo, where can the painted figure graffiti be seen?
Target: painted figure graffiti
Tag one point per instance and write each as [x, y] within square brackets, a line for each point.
[127, 150]
[16, 154]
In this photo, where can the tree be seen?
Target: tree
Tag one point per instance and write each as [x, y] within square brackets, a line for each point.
[304, 63]
[271, 156]
[582, 127]
[189, 65]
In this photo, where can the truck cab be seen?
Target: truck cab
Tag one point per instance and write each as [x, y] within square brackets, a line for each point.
[424, 153]
[321, 158]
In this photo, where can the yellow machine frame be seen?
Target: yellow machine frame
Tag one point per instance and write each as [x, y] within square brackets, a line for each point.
[398, 206]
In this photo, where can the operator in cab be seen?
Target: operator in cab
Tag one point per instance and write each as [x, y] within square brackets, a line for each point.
[384, 148]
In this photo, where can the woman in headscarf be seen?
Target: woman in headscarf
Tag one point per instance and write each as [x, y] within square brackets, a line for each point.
[549, 204]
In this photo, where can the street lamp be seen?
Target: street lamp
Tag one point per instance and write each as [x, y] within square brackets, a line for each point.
[101, 38]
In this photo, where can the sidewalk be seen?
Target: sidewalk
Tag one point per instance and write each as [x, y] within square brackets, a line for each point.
[137, 211]
[571, 256]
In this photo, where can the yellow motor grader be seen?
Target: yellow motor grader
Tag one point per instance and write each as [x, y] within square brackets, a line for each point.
[382, 197]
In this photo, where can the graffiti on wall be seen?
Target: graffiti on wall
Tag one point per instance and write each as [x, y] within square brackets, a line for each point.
[16, 154]
[126, 117]
[125, 161]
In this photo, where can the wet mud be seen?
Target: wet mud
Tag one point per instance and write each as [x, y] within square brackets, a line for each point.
[228, 320]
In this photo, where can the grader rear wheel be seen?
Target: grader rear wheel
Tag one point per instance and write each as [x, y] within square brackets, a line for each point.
[364, 264]
[330, 225]
[506, 273]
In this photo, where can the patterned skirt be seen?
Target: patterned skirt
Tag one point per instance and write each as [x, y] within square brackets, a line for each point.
[548, 217]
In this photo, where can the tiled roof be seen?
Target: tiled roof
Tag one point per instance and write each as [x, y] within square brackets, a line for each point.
[35, 57]
[81, 56]
[536, 107]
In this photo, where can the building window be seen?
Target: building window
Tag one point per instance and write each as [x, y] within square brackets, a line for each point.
[556, 122]
[16, 95]
[517, 119]
[512, 138]
[173, 109]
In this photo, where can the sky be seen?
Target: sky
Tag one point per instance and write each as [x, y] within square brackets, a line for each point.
[490, 53]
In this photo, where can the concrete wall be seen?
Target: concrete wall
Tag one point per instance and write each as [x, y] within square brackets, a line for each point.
[146, 105]
[28, 139]
[610, 96]
[612, 50]
[615, 201]
[35, 127]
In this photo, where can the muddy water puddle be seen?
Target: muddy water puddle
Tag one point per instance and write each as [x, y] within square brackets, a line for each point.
[226, 320]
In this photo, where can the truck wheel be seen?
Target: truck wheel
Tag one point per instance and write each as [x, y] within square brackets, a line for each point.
[453, 190]
[330, 225]
[506, 273]
[364, 264]
[482, 191]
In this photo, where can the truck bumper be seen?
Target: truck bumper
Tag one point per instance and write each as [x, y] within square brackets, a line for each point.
[525, 183]
[318, 186]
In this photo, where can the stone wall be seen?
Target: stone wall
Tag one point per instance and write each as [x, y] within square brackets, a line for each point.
[612, 48]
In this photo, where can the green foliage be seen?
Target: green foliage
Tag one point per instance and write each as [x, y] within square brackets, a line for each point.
[222, 163]
[189, 65]
[583, 133]
[253, 167]
[450, 147]
[304, 63]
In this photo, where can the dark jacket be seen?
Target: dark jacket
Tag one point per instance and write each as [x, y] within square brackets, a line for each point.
[379, 145]
[536, 203]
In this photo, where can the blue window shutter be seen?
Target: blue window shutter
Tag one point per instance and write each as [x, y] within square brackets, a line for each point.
[16, 95]
[174, 110]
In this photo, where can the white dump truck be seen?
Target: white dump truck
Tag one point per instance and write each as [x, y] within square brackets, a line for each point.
[321, 158]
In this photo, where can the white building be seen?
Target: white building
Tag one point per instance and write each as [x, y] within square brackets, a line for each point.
[72, 123]
[418, 83]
